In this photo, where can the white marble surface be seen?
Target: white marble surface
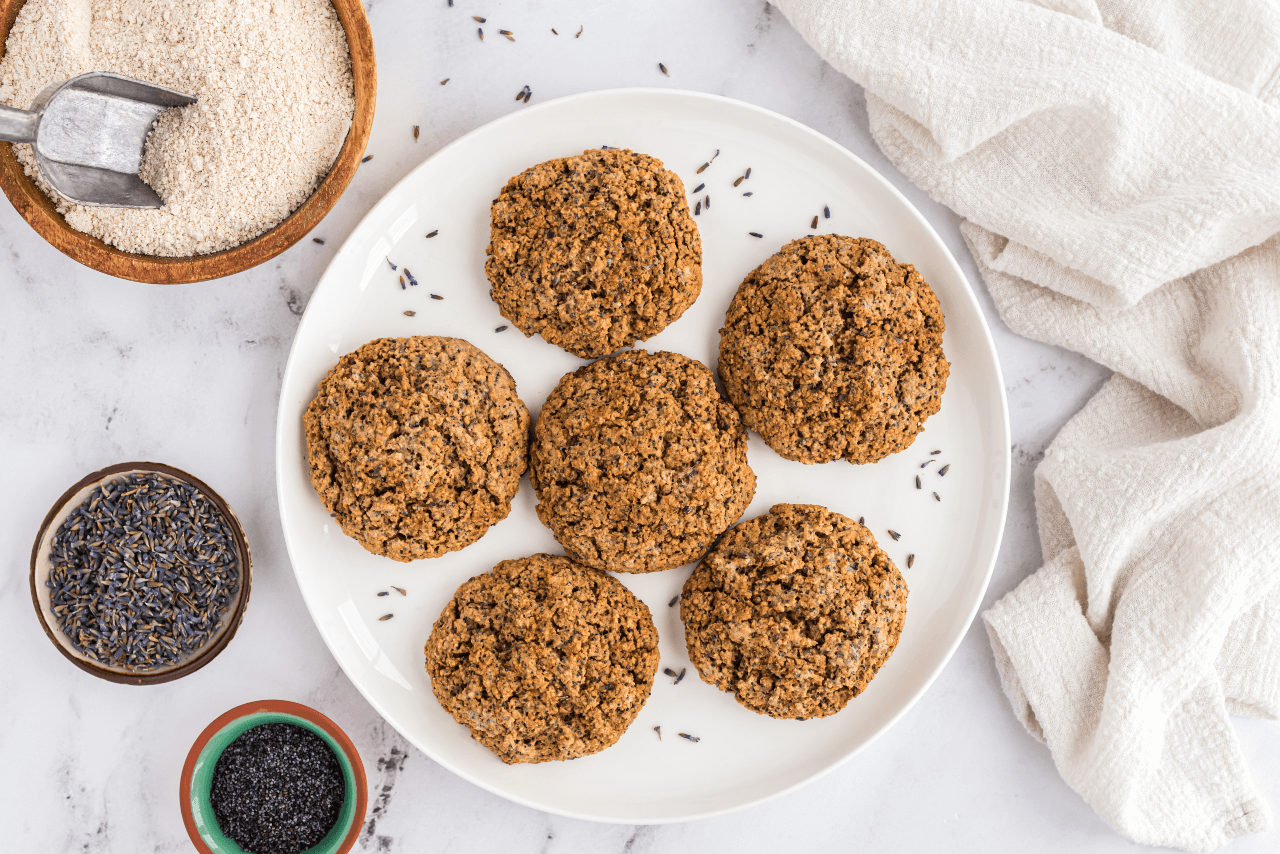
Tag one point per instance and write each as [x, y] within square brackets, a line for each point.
[95, 371]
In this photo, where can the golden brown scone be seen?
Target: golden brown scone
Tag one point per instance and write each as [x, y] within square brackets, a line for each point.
[832, 349]
[639, 463]
[594, 252]
[543, 659]
[793, 612]
[417, 445]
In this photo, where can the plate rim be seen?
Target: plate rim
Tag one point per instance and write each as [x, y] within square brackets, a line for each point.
[970, 295]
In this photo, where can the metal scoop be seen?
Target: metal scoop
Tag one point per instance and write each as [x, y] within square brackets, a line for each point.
[88, 135]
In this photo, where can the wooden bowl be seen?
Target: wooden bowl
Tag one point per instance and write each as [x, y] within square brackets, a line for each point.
[197, 774]
[40, 567]
[38, 209]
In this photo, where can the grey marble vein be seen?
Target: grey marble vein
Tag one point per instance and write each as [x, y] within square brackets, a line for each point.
[95, 371]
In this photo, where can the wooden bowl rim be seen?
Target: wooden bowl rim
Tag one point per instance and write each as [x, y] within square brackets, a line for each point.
[40, 213]
[234, 618]
[278, 707]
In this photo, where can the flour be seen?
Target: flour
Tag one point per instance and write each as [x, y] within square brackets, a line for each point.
[275, 101]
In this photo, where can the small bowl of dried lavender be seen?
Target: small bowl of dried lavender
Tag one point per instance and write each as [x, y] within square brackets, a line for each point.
[140, 573]
[273, 777]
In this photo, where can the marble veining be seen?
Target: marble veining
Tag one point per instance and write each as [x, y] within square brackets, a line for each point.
[96, 371]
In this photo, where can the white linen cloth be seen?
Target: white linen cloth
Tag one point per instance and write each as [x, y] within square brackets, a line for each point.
[1118, 165]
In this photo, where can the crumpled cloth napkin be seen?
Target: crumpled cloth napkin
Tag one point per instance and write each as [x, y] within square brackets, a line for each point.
[1118, 165]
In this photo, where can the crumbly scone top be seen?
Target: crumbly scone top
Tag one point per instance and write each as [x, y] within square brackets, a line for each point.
[832, 349]
[594, 252]
[638, 462]
[793, 612]
[543, 659]
[417, 445]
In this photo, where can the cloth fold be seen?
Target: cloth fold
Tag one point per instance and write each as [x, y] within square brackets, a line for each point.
[1118, 166]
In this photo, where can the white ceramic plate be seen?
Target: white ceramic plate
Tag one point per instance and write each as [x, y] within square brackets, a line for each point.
[742, 757]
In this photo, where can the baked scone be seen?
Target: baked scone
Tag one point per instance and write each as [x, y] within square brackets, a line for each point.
[832, 350]
[638, 462]
[793, 612]
[594, 252]
[417, 445]
[543, 659]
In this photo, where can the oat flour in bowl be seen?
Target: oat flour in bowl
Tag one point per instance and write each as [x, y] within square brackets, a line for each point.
[275, 101]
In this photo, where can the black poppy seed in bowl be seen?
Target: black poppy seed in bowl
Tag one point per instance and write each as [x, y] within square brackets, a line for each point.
[143, 573]
[277, 789]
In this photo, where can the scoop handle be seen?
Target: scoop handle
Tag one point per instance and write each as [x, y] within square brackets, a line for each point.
[18, 125]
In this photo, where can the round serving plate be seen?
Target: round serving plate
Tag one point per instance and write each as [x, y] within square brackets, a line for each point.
[741, 758]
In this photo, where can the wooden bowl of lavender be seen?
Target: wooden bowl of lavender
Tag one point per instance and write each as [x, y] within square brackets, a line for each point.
[140, 573]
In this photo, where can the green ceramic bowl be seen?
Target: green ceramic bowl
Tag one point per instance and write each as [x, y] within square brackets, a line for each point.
[197, 775]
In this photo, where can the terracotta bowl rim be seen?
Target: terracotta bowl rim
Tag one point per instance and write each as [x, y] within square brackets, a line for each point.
[285, 707]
